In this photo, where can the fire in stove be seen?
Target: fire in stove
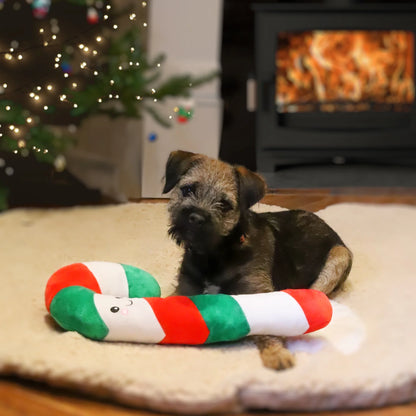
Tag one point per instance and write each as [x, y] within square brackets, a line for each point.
[345, 70]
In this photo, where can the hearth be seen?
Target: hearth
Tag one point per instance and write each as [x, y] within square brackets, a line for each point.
[335, 83]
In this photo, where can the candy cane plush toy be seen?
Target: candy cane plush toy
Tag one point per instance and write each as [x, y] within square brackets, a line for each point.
[116, 302]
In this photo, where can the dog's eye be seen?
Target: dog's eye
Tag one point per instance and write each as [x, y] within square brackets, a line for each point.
[187, 190]
[225, 205]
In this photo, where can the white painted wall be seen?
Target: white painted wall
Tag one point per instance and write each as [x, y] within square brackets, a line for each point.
[188, 32]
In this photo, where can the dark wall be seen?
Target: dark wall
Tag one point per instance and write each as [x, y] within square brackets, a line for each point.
[237, 60]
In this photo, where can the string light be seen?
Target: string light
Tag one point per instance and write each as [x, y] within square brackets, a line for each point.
[74, 50]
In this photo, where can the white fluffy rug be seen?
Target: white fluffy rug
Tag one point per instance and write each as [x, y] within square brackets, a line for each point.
[366, 357]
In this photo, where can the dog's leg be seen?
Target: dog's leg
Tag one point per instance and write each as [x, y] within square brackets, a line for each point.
[186, 287]
[335, 270]
[273, 352]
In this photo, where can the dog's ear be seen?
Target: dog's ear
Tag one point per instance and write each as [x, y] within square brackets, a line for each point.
[252, 187]
[179, 162]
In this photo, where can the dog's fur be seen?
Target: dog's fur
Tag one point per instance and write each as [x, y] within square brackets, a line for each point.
[231, 249]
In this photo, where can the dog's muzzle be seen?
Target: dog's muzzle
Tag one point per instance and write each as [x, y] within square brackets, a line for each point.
[196, 219]
[194, 227]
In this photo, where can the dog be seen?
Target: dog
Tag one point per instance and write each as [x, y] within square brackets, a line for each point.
[230, 249]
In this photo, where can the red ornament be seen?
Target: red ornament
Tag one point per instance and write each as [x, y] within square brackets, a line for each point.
[92, 16]
[185, 110]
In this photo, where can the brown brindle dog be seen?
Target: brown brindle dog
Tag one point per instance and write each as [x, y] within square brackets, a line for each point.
[231, 249]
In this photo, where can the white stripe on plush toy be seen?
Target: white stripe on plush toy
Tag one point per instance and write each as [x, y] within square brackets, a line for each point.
[128, 319]
[275, 313]
[111, 277]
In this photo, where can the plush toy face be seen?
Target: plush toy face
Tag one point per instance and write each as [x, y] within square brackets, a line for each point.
[128, 319]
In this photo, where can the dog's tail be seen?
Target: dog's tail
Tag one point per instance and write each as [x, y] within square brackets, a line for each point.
[335, 270]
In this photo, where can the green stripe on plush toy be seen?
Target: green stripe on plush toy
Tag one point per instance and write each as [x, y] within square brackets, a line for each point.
[74, 310]
[213, 310]
[141, 283]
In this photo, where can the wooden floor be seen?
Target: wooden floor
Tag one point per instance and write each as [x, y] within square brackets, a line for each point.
[19, 397]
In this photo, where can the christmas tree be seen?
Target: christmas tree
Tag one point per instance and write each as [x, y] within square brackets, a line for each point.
[74, 59]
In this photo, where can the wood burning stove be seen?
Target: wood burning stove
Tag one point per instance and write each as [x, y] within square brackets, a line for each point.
[335, 82]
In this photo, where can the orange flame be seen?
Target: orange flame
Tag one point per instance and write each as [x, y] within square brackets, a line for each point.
[344, 70]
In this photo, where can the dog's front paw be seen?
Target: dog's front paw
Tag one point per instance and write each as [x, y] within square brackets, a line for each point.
[273, 352]
[277, 357]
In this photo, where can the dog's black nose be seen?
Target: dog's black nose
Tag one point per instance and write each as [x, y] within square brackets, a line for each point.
[196, 219]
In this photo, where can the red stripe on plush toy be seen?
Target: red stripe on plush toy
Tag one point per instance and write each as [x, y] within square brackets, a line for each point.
[315, 305]
[180, 319]
[76, 274]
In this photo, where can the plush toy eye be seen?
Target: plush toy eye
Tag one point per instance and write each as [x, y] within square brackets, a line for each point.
[114, 309]
[187, 190]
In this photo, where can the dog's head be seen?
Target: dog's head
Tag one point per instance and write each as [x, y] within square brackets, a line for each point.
[209, 198]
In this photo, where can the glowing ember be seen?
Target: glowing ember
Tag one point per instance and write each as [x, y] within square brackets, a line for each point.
[344, 70]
